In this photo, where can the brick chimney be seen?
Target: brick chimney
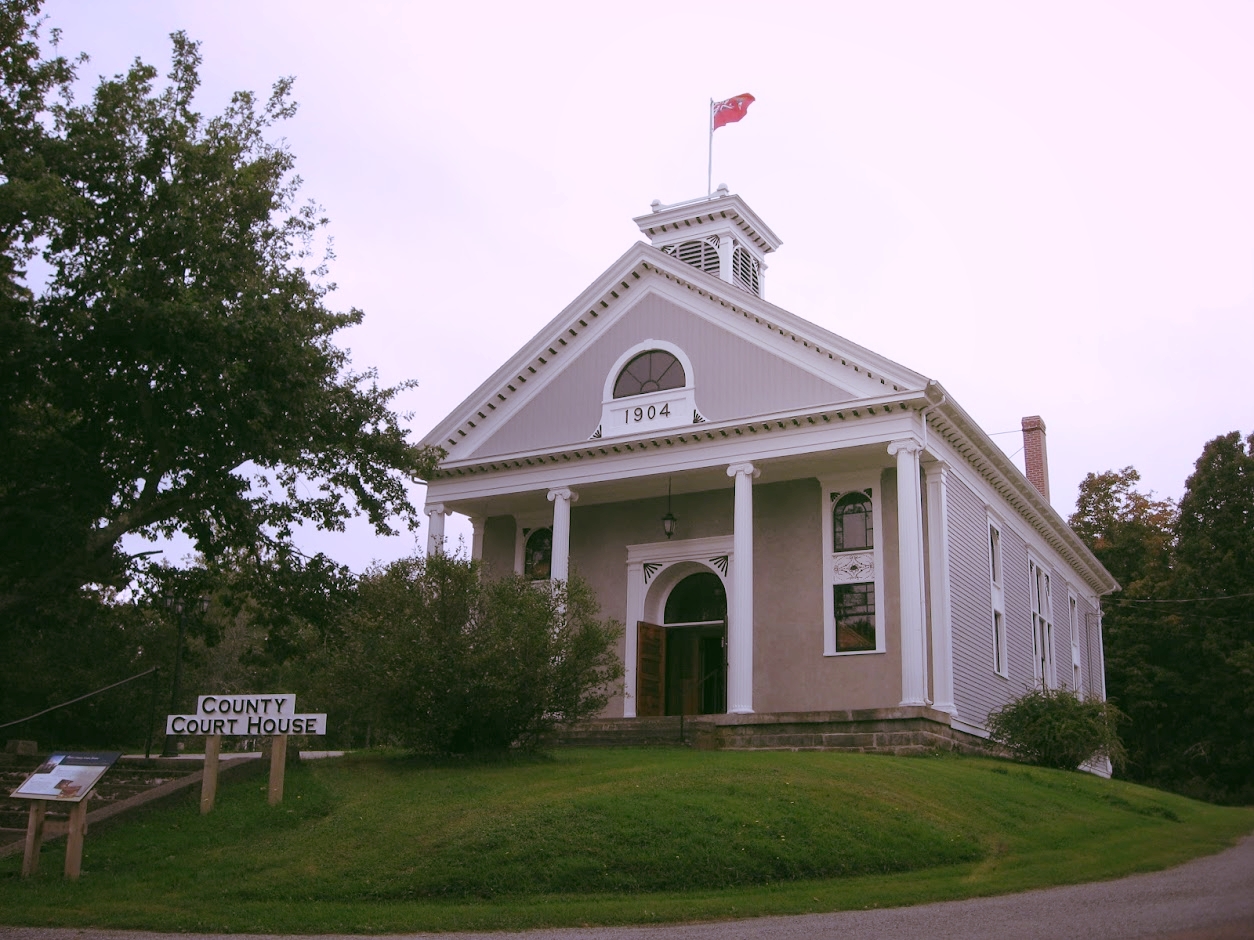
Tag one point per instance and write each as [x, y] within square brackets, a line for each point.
[1034, 459]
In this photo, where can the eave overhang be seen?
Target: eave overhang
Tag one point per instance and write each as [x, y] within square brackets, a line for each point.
[687, 219]
[689, 436]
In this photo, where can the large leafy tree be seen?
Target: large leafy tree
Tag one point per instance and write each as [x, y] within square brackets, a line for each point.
[1130, 532]
[1214, 580]
[1179, 638]
[178, 371]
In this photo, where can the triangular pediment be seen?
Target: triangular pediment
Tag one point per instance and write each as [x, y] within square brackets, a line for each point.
[746, 358]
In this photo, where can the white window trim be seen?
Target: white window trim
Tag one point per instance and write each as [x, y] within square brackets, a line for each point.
[847, 484]
[1042, 625]
[1077, 665]
[997, 593]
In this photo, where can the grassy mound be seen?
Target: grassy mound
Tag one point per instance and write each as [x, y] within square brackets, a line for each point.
[383, 843]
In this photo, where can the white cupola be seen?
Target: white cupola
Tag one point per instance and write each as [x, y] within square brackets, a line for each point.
[718, 233]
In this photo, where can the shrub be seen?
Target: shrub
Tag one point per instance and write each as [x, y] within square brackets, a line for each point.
[1056, 728]
[444, 661]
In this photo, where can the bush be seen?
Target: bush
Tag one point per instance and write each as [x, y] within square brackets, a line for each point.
[1056, 728]
[443, 661]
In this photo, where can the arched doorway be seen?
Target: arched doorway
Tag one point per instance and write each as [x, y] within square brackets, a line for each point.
[683, 660]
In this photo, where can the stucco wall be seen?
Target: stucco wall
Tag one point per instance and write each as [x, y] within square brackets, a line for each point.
[790, 671]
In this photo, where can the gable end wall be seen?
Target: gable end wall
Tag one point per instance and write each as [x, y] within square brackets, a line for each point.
[733, 379]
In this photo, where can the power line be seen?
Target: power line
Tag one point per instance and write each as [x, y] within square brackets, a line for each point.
[138, 675]
[1177, 600]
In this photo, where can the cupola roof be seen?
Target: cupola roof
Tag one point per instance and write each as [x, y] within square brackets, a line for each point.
[695, 217]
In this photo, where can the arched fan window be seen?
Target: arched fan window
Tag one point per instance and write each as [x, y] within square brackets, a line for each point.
[651, 371]
[746, 270]
[538, 556]
[852, 527]
[702, 253]
[698, 598]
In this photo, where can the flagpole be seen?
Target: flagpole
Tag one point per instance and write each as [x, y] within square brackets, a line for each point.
[709, 174]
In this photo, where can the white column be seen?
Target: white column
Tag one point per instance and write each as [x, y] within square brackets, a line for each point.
[520, 545]
[435, 527]
[938, 568]
[725, 248]
[740, 608]
[476, 538]
[561, 498]
[631, 649]
[910, 558]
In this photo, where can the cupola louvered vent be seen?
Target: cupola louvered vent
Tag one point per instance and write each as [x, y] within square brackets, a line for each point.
[702, 253]
[746, 271]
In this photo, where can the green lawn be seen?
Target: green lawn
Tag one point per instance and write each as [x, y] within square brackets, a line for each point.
[375, 843]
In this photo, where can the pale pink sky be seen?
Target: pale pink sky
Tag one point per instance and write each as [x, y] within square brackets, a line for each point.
[1049, 208]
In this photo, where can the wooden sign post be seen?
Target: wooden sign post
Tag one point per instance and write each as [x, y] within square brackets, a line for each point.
[209, 782]
[272, 716]
[34, 837]
[74, 840]
[278, 765]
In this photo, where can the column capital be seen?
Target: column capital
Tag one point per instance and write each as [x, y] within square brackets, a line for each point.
[935, 469]
[908, 445]
[563, 492]
[434, 509]
[747, 468]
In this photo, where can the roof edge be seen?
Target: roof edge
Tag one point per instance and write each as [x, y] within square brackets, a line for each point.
[1020, 487]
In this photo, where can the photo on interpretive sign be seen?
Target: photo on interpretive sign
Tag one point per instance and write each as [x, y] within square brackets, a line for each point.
[66, 778]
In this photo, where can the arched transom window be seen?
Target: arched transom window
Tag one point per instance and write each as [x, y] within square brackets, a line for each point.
[650, 371]
[698, 598]
[852, 525]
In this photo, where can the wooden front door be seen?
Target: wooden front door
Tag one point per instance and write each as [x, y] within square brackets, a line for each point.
[650, 669]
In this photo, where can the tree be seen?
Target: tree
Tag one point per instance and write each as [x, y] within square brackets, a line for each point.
[32, 195]
[178, 372]
[441, 660]
[1179, 638]
[1130, 532]
[1214, 578]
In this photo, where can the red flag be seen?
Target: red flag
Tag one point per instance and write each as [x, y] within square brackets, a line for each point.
[730, 111]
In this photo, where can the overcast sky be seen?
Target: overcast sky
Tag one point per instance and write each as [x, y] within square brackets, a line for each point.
[1049, 208]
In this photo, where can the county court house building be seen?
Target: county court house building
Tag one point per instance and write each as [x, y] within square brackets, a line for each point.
[791, 527]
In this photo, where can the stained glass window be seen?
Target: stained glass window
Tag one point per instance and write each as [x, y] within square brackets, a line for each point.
[538, 556]
[852, 525]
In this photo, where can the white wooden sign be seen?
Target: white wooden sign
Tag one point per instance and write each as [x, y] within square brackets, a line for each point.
[246, 715]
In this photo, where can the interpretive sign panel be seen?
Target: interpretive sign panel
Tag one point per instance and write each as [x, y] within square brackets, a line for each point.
[66, 778]
[246, 715]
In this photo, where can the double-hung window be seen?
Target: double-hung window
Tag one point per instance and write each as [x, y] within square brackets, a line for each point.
[852, 607]
[999, 599]
[1042, 625]
[1073, 615]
